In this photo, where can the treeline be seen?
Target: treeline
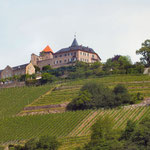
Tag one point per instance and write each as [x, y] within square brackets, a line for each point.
[116, 65]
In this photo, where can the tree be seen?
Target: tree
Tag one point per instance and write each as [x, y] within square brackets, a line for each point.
[103, 136]
[37, 69]
[83, 101]
[121, 95]
[47, 77]
[96, 95]
[46, 68]
[137, 137]
[118, 64]
[145, 52]
[141, 136]
[31, 144]
[48, 143]
[43, 143]
[130, 127]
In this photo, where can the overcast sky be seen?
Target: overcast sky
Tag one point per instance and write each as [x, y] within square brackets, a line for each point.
[110, 27]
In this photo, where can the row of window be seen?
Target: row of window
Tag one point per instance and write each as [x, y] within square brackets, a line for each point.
[85, 60]
[65, 61]
[66, 54]
[84, 54]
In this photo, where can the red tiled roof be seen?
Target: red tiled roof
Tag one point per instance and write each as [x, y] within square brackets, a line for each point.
[47, 49]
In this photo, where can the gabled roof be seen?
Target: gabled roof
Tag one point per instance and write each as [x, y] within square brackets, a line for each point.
[74, 43]
[20, 67]
[47, 49]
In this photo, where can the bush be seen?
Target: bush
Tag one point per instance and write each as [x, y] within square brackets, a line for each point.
[121, 95]
[47, 77]
[48, 142]
[44, 143]
[96, 95]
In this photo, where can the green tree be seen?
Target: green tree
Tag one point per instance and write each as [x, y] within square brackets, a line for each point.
[48, 143]
[145, 52]
[130, 127]
[31, 144]
[47, 77]
[37, 69]
[103, 136]
[83, 101]
[46, 68]
[121, 95]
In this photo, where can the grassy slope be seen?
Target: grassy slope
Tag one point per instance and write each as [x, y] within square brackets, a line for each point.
[13, 100]
[70, 89]
[69, 124]
[18, 128]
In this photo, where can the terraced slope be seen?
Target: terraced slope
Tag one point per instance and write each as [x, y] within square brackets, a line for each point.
[68, 124]
[13, 100]
[58, 95]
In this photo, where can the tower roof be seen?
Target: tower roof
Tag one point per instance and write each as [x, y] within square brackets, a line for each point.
[47, 49]
[74, 43]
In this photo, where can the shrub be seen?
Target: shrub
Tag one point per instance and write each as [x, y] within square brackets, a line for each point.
[48, 142]
[95, 95]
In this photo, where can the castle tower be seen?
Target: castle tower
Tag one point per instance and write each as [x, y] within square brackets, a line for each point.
[47, 53]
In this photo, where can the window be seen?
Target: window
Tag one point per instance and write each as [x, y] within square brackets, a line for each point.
[87, 54]
[80, 53]
[65, 54]
[93, 56]
[71, 54]
[74, 53]
[68, 54]
[65, 60]
[60, 56]
[55, 56]
[60, 61]
[57, 62]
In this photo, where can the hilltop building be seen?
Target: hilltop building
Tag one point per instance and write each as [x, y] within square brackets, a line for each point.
[65, 57]
[18, 70]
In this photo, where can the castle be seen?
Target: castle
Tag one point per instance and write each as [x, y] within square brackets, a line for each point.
[64, 57]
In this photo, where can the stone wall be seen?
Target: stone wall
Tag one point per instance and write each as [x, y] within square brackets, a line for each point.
[13, 84]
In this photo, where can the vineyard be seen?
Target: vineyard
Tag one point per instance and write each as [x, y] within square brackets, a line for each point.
[68, 124]
[69, 90]
[13, 100]
[71, 128]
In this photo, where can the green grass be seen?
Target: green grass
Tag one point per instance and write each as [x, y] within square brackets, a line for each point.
[13, 100]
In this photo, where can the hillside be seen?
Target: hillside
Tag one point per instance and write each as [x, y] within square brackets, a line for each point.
[72, 128]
